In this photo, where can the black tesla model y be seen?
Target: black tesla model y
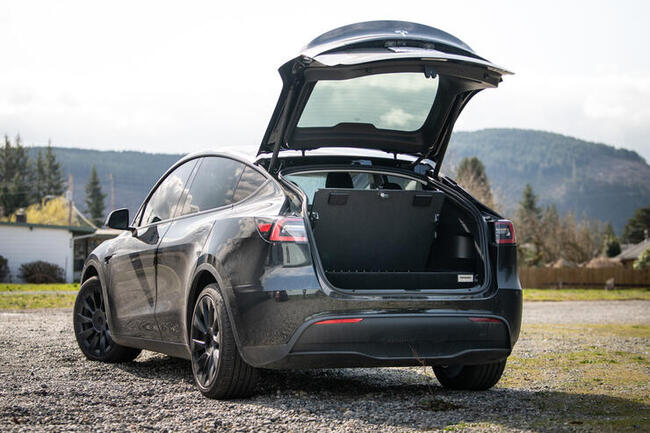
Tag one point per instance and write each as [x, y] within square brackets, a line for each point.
[339, 245]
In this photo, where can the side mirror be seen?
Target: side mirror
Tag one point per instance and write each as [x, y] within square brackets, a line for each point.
[118, 219]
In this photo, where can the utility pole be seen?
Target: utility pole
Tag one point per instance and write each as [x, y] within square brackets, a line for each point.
[69, 197]
[110, 176]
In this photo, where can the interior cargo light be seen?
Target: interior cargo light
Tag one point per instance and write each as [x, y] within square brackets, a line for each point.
[504, 232]
[334, 321]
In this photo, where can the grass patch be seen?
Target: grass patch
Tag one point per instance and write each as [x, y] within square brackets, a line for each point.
[589, 370]
[584, 332]
[588, 388]
[31, 301]
[592, 387]
[586, 295]
[37, 287]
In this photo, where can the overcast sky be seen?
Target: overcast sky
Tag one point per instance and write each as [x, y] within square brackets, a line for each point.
[185, 76]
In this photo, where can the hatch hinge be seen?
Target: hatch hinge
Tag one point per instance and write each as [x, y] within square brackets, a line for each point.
[429, 72]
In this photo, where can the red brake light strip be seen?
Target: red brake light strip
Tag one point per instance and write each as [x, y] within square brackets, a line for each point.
[484, 319]
[334, 321]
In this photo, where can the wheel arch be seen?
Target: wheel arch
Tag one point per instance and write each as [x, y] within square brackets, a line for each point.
[206, 273]
[89, 271]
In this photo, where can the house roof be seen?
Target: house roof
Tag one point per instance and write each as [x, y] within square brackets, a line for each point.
[74, 229]
[633, 252]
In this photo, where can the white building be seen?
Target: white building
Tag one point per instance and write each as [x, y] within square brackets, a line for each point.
[23, 243]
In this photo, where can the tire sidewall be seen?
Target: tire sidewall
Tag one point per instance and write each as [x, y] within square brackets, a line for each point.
[213, 293]
[89, 285]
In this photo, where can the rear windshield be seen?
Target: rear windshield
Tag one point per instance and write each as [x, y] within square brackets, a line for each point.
[397, 101]
[311, 182]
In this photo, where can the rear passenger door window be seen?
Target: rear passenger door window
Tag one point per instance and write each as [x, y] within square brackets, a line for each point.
[249, 182]
[213, 185]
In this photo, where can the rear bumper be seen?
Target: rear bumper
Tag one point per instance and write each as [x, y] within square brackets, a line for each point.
[390, 340]
[277, 329]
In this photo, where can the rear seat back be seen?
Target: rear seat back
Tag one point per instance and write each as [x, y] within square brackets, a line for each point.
[375, 230]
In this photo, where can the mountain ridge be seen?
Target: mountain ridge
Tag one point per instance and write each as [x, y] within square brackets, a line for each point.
[587, 178]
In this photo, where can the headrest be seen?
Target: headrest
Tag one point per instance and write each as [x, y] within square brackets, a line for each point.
[339, 179]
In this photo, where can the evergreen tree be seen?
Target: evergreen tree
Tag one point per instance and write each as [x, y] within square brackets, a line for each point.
[611, 245]
[471, 175]
[95, 198]
[54, 183]
[528, 202]
[529, 227]
[5, 175]
[39, 179]
[637, 227]
[15, 172]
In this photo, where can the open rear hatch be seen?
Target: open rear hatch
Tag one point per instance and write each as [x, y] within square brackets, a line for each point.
[396, 87]
[386, 85]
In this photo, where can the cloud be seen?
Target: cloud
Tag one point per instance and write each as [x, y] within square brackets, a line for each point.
[399, 119]
[169, 78]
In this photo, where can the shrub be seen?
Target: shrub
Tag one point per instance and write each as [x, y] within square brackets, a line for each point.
[4, 268]
[643, 261]
[41, 272]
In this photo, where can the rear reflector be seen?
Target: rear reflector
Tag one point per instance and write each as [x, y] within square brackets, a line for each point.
[484, 319]
[334, 321]
[504, 232]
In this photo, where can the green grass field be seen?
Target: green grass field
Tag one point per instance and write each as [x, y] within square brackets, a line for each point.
[586, 295]
[13, 296]
[32, 301]
[9, 287]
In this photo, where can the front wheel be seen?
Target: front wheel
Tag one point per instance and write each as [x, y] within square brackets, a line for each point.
[91, 327]
[219, 371]
[470, 377]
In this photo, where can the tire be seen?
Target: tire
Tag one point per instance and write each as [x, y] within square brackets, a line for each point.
[91, 328]
[219, 371]
[470, 377]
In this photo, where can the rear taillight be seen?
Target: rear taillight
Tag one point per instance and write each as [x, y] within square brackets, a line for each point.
[504, 232]
[282, 229]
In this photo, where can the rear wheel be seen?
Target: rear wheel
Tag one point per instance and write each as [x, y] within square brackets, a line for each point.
[91, 328]
[470, 377]
[219, 371]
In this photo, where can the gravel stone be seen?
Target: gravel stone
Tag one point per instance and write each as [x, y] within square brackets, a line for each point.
[47, 385]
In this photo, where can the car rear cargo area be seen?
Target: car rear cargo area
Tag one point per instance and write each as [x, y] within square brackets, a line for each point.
[385, 239]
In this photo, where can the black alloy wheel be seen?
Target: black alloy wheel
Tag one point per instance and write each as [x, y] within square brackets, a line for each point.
[219, 370]
[206, 341]
[91, 327]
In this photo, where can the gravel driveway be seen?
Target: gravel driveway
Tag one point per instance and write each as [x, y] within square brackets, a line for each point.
[46, 384]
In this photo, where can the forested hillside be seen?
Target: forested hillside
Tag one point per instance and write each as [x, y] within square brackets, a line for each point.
[591, 178]
[595, 179]
[134, 173]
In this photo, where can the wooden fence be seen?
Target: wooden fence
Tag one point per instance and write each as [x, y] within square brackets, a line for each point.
[546, 278]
